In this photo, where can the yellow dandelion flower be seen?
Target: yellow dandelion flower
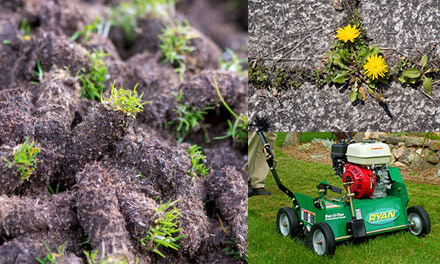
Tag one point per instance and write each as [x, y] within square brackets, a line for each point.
[375, 67]
[347, 33]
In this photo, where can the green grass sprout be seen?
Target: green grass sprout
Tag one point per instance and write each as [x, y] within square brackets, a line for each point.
[93, 258]
[189, 118]
[39, 72]
[51, 258]
[92, 83]
[238, 129]
[197, 162]
[125, 15]
[52, 191]
[90, 28]
[140, 175]
[25, 157]
[25, 29]
[125, 100]
[175, 44]
[162, 231]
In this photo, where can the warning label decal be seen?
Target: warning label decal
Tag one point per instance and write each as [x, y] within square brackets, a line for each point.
[308, 216]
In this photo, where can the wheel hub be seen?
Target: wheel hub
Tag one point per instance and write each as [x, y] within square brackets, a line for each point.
[319, 244]
[416, 224]
[284, 225]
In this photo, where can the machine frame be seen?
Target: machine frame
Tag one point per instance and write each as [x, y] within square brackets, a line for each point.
[324, 220]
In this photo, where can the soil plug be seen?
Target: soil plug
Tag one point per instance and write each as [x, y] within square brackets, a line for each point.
[125, 100]
[99, 215]
[200, 92]
[162, 231]
[97, 133]
[176, 44]
[188, 119]
[227, 189]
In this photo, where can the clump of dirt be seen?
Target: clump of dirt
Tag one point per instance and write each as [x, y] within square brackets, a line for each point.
[101, 174]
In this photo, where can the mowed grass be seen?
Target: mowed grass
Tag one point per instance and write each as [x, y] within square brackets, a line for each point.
[267, 246]
[308, 136]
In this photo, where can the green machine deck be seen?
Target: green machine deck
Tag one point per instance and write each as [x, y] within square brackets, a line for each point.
[379, 215]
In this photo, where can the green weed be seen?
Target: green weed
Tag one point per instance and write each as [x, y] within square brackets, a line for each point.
[25, 29]
[93, 258]
[51, 258]
[197, 161]
[258, 75]
[39, 72]
[189, 118]
[175, 45]
[238, 129]
[125, 15]
[233, 64]
[52, 191]
[140, 175]
[125, 100]
[6, 42]
[416, 73]
[90, 28]
[25, 157]
[350, 64]
[92, 83]
[284, 80]
[162, 231]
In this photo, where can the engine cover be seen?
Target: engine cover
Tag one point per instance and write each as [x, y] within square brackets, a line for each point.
[364, 181]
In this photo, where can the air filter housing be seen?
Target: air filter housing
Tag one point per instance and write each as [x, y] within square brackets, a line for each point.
[368, 153]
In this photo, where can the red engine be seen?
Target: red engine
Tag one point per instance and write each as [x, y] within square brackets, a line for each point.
[364, 181]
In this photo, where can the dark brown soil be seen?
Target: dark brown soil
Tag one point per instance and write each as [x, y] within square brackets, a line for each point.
[113, 170]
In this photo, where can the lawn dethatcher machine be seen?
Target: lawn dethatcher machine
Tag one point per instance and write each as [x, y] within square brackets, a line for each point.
[375, 201]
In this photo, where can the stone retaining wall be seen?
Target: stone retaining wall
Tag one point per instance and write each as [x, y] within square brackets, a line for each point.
[418, 153]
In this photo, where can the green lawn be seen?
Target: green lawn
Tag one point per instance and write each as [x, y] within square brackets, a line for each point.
[308, 136]
[267, 246]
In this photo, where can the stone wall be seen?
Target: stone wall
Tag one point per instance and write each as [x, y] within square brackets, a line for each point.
[418, 153]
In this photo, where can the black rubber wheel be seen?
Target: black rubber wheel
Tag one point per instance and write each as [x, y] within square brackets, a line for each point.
[420, 220]
[322, 239]
[287, 222]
